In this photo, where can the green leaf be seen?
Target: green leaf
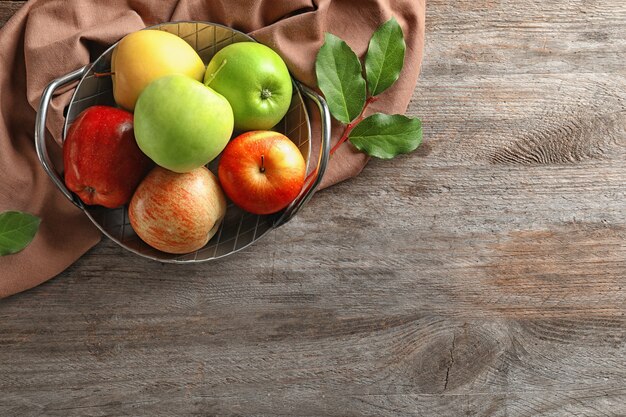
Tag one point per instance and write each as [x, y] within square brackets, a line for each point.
[340, 77]
[17, 230]
[385, 137]
[385, 57]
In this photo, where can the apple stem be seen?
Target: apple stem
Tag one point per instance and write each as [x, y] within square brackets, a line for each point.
[262, 164]
[352, 125]
[212, 76]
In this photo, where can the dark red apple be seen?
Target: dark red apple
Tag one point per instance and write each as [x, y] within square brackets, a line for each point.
[103, 164]
[262, 171]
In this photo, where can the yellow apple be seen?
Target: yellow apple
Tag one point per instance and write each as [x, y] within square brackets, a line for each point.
[142, 57]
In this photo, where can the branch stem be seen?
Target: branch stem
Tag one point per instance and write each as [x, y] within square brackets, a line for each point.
[352, 125]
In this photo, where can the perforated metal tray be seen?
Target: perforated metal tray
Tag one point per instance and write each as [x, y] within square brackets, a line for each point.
[239, 228]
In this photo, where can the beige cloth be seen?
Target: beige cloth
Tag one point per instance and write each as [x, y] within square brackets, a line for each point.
[50, 38]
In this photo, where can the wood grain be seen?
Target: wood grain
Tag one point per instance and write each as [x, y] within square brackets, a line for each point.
[481, 276]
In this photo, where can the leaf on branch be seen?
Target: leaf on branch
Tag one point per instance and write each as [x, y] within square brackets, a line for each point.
[339, 76]
[17, 230]
[384, 136]
[385, 57]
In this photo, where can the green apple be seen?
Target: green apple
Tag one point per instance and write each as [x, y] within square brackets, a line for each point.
[181, 124]
[256, 82]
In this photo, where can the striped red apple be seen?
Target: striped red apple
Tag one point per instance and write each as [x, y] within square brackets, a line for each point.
[177, 212]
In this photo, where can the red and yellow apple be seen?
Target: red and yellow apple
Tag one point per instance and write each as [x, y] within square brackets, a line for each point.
[103, 164]
[262, 171]
[177, 213]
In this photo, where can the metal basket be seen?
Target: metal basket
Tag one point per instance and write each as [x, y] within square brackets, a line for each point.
[239, 228]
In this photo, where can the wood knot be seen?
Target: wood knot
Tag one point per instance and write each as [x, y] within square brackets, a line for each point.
[569, 141]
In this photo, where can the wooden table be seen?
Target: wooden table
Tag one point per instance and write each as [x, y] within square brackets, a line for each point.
[483, 275]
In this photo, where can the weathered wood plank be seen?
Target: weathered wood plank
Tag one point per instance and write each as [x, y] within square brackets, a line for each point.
[482, 276]
[389, 362]
[504, 37]
[311, 403]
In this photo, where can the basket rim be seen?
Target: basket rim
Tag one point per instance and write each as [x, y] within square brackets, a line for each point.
[176, 259]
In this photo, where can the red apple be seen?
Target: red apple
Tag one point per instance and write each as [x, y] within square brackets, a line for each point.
[177, 213]
[262, 171]
[103, 164]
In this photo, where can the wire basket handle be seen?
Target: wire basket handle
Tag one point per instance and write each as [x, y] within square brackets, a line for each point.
[40, 130]
[323, 157]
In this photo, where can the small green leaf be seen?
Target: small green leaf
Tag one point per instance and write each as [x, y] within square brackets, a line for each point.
[339, 75]
[385, 137]
[385, 57]
[17, 230]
